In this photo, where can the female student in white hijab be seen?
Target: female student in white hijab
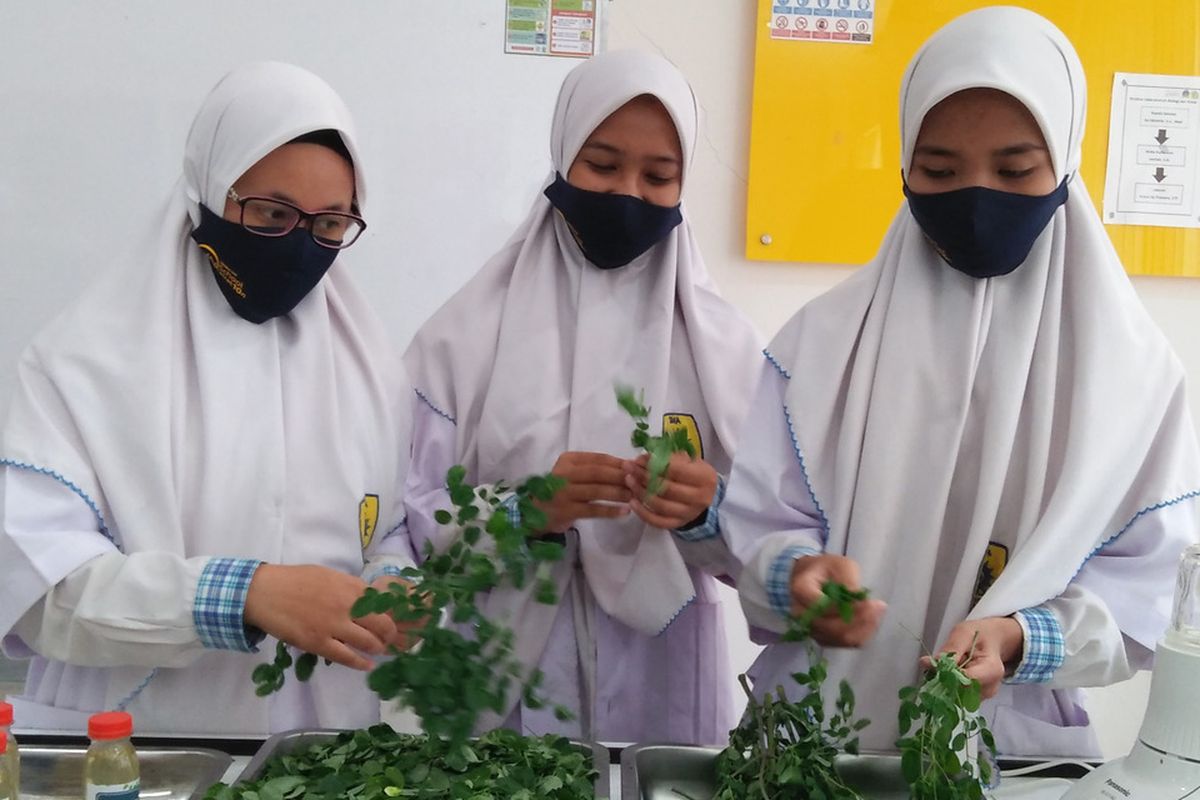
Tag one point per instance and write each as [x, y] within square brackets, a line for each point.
[983, 425]
[206, 446]
[602, 284]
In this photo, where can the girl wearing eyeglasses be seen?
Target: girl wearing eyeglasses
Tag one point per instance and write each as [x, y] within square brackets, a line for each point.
[204, 452]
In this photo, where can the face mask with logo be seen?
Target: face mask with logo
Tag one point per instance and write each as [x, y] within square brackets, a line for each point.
[984, 232]
[262, 277]
[611, 229]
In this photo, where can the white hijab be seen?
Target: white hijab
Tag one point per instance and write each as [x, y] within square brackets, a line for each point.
[193, 431]
[526, 355]
[935, 412]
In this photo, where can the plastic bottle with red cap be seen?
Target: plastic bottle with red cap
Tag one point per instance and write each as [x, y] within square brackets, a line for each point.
[8, 784]
[11, 758]
[111, 770]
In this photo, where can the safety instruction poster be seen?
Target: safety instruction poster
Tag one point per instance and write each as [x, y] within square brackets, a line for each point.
[844, 21]
[1154, 151]
[550, 27]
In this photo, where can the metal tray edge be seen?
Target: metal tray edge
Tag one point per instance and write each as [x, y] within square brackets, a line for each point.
[630, 790]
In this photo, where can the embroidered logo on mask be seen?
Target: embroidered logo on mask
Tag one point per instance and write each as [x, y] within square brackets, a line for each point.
[226, 274]
[368, 518]
[994, 562]
[684, 422]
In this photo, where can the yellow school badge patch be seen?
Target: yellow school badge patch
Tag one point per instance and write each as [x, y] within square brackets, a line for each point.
[368, 518]
[684, 422]
[994, 562]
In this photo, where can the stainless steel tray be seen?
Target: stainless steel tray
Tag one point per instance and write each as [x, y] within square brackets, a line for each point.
[52, 772]
[662, 772]
[290, 741]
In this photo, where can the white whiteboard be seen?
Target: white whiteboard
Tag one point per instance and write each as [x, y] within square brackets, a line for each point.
[96, 97]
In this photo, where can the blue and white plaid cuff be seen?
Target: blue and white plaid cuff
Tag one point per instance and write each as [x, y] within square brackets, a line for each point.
[710, 526]
[779, 578]
[1044, 646]
[375, 573]
[219, 612]
[514, 511]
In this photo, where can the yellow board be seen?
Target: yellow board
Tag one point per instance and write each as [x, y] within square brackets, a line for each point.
[825, 139]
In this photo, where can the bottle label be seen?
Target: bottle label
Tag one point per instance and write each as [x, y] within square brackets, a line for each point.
[119, 791]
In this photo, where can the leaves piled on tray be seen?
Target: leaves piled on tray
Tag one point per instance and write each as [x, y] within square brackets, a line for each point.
[380, 763]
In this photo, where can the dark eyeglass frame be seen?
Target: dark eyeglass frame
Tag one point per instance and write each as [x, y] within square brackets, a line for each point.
[302, 216]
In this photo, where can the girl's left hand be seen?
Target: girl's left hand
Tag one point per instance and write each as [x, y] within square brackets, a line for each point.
[1000, 644]
[688, 489]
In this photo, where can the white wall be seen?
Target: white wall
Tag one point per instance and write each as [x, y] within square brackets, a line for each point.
[96, 97]
[713, 43]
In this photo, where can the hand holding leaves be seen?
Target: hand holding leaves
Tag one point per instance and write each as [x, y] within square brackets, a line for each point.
[594, 488]
[846, 619]
[659, 449]
[788, 748]
[308, 606]
[935, 757]
[406, 631]
[686, 490]
[452, 676]
[992, 642]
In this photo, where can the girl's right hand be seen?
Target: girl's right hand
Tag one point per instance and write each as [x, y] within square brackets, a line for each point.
[308, 607]
[809, 575]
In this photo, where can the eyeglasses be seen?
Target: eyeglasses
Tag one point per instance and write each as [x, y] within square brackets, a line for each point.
[268, 217]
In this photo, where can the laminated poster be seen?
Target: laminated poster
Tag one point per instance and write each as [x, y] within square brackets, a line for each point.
[551, 27]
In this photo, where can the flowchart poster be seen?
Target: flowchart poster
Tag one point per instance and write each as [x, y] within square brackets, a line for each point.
[1154, 151]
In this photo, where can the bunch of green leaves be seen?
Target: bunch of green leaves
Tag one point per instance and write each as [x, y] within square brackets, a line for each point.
[660, 448]
[378, 763]
[459, 671]
[833, 595]
[787, 748]
[452, 677]
[934, 757]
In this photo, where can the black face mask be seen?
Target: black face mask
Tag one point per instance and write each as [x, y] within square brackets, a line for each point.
[611, 229]
[983, 232]
[262, 277]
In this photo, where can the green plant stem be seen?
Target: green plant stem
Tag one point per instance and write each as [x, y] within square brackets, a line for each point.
[787, 748]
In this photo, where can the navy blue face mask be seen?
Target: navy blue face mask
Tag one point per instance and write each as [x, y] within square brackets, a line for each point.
[611, 229]
[262, 277]
[984, 232]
